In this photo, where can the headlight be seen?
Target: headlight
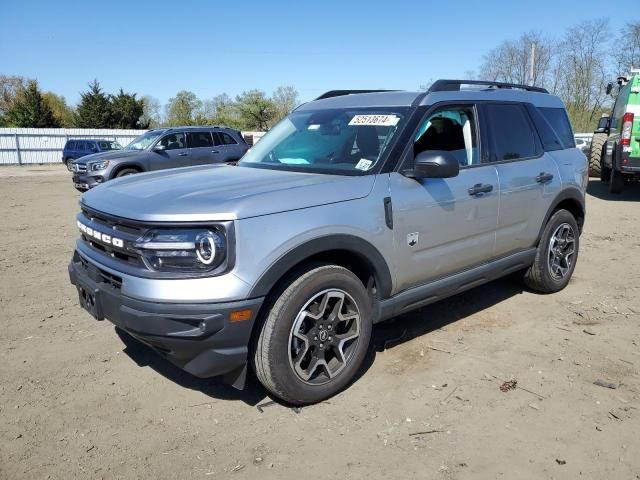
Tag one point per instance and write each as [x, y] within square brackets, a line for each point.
[99, 165]
[195, 250]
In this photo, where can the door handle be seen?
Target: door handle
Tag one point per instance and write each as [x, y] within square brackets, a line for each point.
[479, 189]
[215, 151]
[544, 177]
[183, 154]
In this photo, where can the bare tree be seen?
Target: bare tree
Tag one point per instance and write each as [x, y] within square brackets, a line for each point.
[582, 71]
[10, 86]
[627, 51]
[527, 60]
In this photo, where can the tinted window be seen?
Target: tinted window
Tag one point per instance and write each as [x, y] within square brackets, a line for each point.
[558, 119]
[80, 146]
[200, 139]
[173, 141]
[109, 146]
[226, 139]
[512, 133]
[452, 129]
[550, 140]
[70, 146]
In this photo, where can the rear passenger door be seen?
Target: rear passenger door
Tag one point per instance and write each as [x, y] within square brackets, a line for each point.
[228, 146]
[201, 148]
[528, 177]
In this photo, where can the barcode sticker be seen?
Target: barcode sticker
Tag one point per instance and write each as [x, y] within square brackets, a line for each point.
[375, 120]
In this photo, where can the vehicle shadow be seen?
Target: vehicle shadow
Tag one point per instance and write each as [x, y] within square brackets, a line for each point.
[385, 336]
[599, 189]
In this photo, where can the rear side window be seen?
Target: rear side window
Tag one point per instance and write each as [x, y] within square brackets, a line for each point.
[512, 132]
[80, 146]
[225, 139]
[548, 136]
[559, 121]
[200, 139]
[70, 146]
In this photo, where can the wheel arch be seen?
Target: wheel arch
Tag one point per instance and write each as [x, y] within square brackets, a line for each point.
[570, 199]
[349, 251]
[118, 168]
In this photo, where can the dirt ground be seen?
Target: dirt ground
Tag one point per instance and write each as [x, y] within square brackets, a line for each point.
[79, 401]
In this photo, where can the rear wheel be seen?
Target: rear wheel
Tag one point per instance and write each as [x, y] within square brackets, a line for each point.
[595, 153]
[315, 336]
[126, 171]
[557, 254]
[69, 163]
[616, 181]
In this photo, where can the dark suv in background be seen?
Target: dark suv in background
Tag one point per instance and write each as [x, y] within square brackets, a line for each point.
[76, 148]
[160, 149]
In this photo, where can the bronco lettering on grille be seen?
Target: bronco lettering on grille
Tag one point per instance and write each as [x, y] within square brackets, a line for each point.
[101, 237]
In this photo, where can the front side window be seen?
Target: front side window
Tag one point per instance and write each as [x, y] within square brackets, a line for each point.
[173, 141]
[200, 139]
[109, 146]
[347, 141]
[452, 129]
[143, 141]
[512, 132]
[226, 139]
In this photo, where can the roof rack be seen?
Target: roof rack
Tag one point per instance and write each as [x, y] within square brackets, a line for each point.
[340, 93]
[454, 85]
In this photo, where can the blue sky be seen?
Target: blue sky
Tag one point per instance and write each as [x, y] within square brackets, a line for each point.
[210, 47]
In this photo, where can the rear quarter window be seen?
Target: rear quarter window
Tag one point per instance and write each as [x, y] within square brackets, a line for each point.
[559, 121]
[70, 146]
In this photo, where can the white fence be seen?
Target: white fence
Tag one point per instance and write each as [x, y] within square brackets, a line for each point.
[21, 146]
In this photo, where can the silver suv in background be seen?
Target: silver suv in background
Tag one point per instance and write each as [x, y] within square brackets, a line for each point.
[354, 209]
[161, 149]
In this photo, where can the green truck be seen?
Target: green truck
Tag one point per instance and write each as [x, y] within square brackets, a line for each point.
[615, 148]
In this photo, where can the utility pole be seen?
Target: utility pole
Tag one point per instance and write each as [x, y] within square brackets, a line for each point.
[533, 59]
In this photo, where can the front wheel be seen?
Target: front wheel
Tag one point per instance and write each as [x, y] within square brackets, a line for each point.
[557, 254]
[315, 337]
[126, 171]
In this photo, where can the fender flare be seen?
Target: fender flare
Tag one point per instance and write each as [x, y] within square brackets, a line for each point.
[124, 165]
[571, 193]
[350, 243]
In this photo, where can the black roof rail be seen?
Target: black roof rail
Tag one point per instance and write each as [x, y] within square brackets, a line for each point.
[454, 85]
[340, 93]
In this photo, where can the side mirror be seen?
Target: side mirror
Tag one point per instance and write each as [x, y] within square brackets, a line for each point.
[609, 88]
[603, 124]
[159, 148]
[435, 164]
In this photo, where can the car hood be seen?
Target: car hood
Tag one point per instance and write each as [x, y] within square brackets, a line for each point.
[110, 155]
[220, 192]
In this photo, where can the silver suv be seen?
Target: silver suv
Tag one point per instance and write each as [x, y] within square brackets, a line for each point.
[355, 208]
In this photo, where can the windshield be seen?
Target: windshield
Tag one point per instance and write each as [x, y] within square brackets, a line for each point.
[144, 140]
[340, 141]
[109, 146]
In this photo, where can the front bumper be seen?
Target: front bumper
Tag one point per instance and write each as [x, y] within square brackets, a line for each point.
[200, 338]
[83, 182]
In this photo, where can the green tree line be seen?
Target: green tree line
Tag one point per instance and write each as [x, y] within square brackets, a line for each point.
[24, 104]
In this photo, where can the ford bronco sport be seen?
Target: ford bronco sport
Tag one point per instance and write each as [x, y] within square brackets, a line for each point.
[353, 209]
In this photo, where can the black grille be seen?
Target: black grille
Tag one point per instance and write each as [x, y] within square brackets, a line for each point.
[99, 275]
[114, 227]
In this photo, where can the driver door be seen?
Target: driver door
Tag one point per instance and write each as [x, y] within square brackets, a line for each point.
[443, 225]
[173, 152]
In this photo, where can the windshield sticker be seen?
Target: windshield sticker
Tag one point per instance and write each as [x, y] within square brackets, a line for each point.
[364, 164]
[294, 161]
[375, 120]
[313, 126]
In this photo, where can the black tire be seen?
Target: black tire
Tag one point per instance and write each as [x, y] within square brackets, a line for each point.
[616, 181]
[595, 153]
[69, 163]
[126, 171]
[540, 275]
[605, 173]
[275, 349]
